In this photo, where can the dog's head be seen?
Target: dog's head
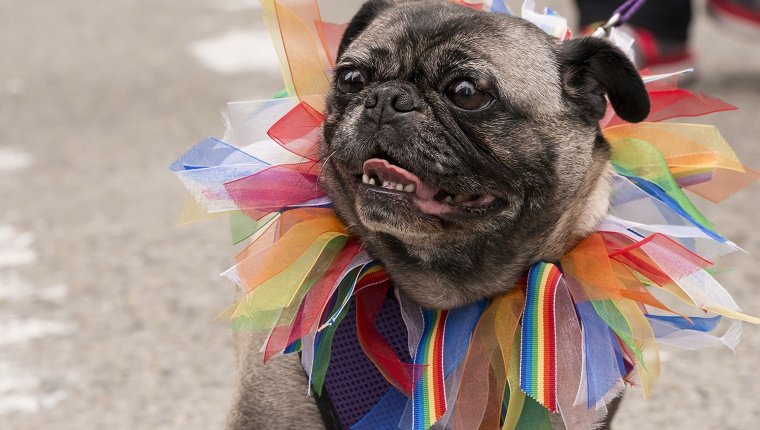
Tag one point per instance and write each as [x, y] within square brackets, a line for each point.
[463, 146]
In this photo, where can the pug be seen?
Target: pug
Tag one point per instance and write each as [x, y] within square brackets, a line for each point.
[461, 147]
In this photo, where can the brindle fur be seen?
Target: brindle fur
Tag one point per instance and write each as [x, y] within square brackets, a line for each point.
[537, 148]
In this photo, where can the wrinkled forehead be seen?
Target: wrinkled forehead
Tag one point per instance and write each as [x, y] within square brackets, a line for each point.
[428, 47]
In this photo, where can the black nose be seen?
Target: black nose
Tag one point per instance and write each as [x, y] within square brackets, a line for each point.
[390, 103]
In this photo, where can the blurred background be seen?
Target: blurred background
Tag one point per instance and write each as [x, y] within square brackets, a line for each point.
[106, 308]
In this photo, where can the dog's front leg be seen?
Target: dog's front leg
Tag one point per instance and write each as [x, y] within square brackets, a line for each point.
[272, 396]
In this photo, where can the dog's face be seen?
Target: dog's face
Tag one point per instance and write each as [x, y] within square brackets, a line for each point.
[463, 146]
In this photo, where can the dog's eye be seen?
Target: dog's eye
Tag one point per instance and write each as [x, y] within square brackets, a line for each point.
[465, 95]
[350, 81]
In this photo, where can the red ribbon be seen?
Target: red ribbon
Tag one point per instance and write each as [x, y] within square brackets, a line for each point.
[370, 294]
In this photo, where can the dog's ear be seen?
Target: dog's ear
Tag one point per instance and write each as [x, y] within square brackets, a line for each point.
[361, 20]
[592, 67]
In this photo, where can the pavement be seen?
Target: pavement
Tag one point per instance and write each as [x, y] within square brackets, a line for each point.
[106, 308]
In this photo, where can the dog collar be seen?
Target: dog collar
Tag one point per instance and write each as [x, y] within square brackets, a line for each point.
[566, 340]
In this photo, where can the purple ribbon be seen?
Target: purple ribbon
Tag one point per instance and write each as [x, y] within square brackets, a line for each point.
[621, 15]
[626, 10]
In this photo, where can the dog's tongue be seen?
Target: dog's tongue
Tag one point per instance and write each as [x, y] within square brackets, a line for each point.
[386, 171]
[424, 194]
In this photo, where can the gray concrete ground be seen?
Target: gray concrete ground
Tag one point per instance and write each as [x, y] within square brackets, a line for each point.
[106, 308]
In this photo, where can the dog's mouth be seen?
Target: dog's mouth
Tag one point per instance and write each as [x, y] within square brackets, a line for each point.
[382, 177]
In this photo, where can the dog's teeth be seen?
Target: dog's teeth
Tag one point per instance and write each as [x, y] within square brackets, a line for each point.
[372, 181]
[365, 179]
[389, 185]
[399, 187]
[448, 199]
[410, 188]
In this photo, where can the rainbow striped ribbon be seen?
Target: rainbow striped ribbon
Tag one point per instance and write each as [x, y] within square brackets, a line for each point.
[538, 362]
[429, 395]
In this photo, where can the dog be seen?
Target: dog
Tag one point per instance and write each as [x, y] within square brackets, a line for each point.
[461, 147]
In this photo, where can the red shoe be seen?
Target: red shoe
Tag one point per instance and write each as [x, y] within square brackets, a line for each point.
[660, 56]
[741, 14]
